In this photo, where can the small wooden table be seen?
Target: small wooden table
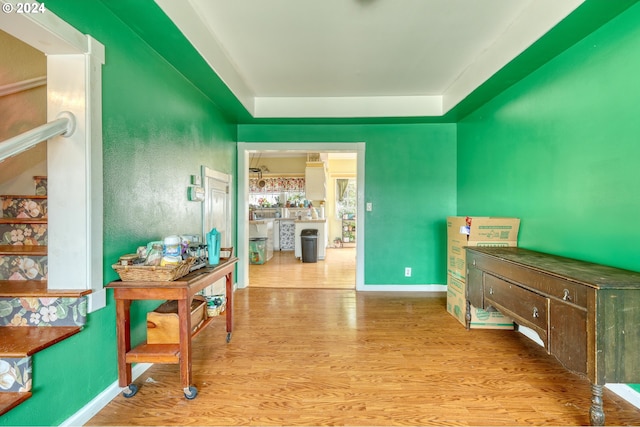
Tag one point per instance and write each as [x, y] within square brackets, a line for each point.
[182, 290]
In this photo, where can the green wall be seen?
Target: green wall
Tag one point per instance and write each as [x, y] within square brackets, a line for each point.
[157, 130]
[560, 150]
[409, 177]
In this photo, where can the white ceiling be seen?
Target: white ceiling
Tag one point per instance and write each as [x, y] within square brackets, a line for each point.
[360, 58]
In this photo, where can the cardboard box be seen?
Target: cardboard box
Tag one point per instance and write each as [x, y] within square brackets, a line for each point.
[475, 231]
[162, 323]
[480, 319]
[483, 231]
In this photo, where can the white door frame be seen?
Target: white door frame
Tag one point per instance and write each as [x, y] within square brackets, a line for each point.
[74, 162]
[226, 180]
[245, 148]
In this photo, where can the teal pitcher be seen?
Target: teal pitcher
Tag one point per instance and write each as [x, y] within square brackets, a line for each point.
[213, 246]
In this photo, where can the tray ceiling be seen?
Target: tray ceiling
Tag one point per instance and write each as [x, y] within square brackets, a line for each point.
[360, 58]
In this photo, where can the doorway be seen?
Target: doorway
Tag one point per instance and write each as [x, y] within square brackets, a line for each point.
[216, 213]
[245, 150]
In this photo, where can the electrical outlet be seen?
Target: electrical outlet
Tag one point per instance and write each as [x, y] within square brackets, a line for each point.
[407, 272]
[369, 206]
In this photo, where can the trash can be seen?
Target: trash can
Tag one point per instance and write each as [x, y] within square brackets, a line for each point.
[257, 250]
[309, 245]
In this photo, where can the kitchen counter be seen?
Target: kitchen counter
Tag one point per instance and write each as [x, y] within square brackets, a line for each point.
[323, 220]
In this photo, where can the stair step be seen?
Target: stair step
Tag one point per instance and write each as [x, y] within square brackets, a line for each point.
[12, 250]
[24, 341]
[8, 401]
[24, 231]
[36, 288]
[24, 206]
[23, 220]
[23, 196]
[23, 262]
[40, 183]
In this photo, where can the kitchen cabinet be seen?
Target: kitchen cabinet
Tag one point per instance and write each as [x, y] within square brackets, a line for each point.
[276, 235]
[312, 224]
[315, 181]
[287, 235]
[586, 315]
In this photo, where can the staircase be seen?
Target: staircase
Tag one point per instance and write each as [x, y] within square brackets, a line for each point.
[32, 317]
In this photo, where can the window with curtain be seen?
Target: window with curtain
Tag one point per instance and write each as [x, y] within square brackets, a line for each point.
[346, 200]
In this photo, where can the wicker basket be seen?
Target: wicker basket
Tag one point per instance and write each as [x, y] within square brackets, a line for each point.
[226, 253]
[146, 273]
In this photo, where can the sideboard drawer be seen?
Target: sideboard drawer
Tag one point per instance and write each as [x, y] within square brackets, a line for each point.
[566, 291]
[529, 308]
[545, 283]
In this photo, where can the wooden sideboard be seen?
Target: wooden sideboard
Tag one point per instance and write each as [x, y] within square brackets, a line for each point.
[182, 290]
[587, 315]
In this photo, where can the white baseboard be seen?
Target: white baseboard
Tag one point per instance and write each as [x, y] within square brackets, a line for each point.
[96, 300]
[622, 390]
[625, 392]
[403, 288]
[101, 400]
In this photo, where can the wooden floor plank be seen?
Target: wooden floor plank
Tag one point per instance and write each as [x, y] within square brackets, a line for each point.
[340, 357]
[23, 341]
[284, 270]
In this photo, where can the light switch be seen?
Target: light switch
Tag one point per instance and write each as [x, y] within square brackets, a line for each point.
[369, 206]
[196, 180]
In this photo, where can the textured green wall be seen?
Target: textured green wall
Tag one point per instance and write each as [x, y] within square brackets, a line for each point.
[410, 179]
[157, 130]
[560, 150]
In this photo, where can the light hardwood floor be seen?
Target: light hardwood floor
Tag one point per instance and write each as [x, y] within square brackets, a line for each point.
[284, 270]
[341, 357]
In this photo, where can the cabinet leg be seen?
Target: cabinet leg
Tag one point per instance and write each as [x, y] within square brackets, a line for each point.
[467, 315]
[596, 412]
[229, 306]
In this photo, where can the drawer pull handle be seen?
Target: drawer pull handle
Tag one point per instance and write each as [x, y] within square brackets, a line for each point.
[535, 312]
[490, 291]
[565, 296]
[474, 262]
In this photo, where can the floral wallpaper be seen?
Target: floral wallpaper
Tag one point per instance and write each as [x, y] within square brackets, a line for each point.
[23, 267]
[287, 235]
[40, 183]
[23, 234]
[20, 207]
[15, 374]
[43, 311]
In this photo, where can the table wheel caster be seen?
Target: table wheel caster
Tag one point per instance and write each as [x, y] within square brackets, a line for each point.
[190, 392]
[130, 391]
